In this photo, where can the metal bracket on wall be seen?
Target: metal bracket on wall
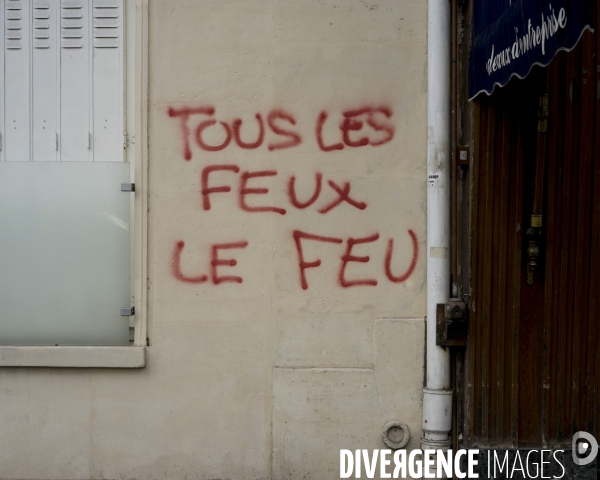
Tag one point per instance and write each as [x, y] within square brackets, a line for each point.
[127, 311]
[128, 187]
[452, 323]
[462, 156]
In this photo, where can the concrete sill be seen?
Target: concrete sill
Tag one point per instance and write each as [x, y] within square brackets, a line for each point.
[73, 357]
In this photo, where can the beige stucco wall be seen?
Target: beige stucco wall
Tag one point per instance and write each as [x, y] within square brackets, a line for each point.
[259, 378]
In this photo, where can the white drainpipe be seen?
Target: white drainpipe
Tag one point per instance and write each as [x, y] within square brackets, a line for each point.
[437, 394]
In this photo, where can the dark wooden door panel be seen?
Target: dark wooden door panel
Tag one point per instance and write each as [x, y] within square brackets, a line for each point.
[534, 350]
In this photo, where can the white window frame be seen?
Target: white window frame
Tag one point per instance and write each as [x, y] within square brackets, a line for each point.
[136, 121]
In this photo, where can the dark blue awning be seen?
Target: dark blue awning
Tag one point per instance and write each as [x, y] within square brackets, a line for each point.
[511, 36]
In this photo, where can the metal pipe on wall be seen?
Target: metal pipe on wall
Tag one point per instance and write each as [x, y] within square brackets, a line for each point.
[437, 394]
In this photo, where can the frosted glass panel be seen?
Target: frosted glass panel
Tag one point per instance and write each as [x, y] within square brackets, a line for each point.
[64, 253]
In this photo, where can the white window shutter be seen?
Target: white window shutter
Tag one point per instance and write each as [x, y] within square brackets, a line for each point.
[16, 83]
[75, 81]
[108, 82]
[2, 78]
[62, 80]
[45, 79]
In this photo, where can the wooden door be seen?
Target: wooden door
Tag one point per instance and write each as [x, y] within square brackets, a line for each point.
[533, 354]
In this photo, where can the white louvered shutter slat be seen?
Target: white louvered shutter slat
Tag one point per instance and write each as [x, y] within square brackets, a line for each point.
[2, 78]
[108, 80]
[16, 83]
[74, 81]
[45, 80]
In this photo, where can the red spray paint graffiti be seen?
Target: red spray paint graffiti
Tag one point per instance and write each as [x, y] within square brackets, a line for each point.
[244, 190]
[207, 189]
[215, 262]
[413, 263]
[319, 134]
[237, 124]
[293, 138]
[212, 148]
[184, 114]
[369, 125]
[343, 196]
[230, 262]
[176, 266]
[347, 257]
[291, 191]
[302, 263]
